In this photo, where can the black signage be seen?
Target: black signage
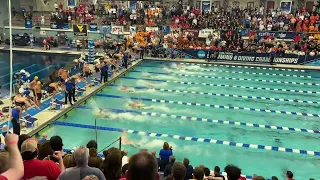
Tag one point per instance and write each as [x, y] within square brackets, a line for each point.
[80, 29]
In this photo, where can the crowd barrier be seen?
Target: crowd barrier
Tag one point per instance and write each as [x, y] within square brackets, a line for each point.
[250, 57]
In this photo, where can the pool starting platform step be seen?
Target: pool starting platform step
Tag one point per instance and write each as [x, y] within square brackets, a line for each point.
[186, 138]
[199, 119]
[225, 85]
[210, 105]
[221, 95]
[229, 78]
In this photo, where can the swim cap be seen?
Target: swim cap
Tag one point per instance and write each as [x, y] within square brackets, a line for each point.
[22, 71]
[36, 77]
[38, 82]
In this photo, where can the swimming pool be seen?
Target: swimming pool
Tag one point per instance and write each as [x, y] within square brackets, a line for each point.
[264, 120]
[35, 63]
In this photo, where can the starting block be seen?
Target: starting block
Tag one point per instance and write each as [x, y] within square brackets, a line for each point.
[29, 121]
[57, 105]
[80, 91]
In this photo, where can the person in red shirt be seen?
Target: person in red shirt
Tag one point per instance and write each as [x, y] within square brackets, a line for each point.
[15, 170]
[289, 175]
[37, 168]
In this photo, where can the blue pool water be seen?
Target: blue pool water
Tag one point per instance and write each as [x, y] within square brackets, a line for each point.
[35, 63]
[223, 105]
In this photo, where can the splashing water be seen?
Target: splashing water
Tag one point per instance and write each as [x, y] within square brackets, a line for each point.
[149, 84]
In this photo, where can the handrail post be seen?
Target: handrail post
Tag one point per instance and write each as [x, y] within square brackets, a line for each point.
[120, 143]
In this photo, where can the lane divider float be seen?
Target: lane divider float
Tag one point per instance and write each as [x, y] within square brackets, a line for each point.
[225, 85]
[211, 105]
[187, 138]
[199, 119]
[229, 78]
[222, 95]
[239, 72]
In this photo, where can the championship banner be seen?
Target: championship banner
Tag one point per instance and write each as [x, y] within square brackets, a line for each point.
[152, 29]
[80, 29]
[205, 5]
[116, 29]
[71, 3]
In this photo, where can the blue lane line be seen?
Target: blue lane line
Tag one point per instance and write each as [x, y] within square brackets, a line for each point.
[44, 69]
[225, 85]
[211, 105]
[186, 138]
[228, 78]
[223, 95]
[237, 72]
[18, 70]
[8, 67]
[249, 67]
[190, 118]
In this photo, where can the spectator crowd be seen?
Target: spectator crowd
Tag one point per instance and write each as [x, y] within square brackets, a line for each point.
[23, 157]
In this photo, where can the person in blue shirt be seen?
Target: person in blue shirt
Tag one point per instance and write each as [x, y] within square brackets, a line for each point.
[104, 72]
[272, 56]
[125, 59]
[164, 155]
[69, 91]
[16, 114]
[43, 139]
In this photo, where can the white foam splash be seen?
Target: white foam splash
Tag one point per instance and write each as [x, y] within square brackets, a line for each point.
[149, 84]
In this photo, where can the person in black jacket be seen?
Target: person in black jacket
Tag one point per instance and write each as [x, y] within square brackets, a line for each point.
[189, 169]
[168, 168]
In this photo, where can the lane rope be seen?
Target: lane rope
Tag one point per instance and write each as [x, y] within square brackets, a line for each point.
[211, 105]
[229, 78]
[248, 67]
[239, 72]
[190, 118]
[223, 95]
[225, 85]
[187, 138]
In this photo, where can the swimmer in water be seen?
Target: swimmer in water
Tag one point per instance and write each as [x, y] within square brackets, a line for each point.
[126, 141]
[128, 89]
[102, 113]
[136, 105]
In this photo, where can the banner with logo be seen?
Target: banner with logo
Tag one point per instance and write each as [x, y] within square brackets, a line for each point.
[204, 33]
[132, 5]
[195, 32]
[93, 27]
[152, 29]
[116, 29]
[80, 30]
[278, 35]
[71, 3]
[164, 29]
[285, 6]
[28, 23]
[133, 30]
[205, 5]
[252, 57]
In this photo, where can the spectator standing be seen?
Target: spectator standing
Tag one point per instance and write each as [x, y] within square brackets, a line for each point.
[78, 43]
[94, 159]
[189, 168]
[233, 172]
[111, 166]
[217, 172]
[164, 155]
[168, 168]
[69, 161]
[198, 173]
[289, 175]
[43, 139]
[81, 156]
[15, 170]
[42, 20]
[15, 115]
[178, 171]
[56, 7]
[34, 167]
[142, 166]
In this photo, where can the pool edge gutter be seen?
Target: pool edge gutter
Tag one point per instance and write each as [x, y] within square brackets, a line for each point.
[80, 101]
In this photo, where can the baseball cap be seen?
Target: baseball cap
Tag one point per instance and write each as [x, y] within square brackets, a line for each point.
[30, 145]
